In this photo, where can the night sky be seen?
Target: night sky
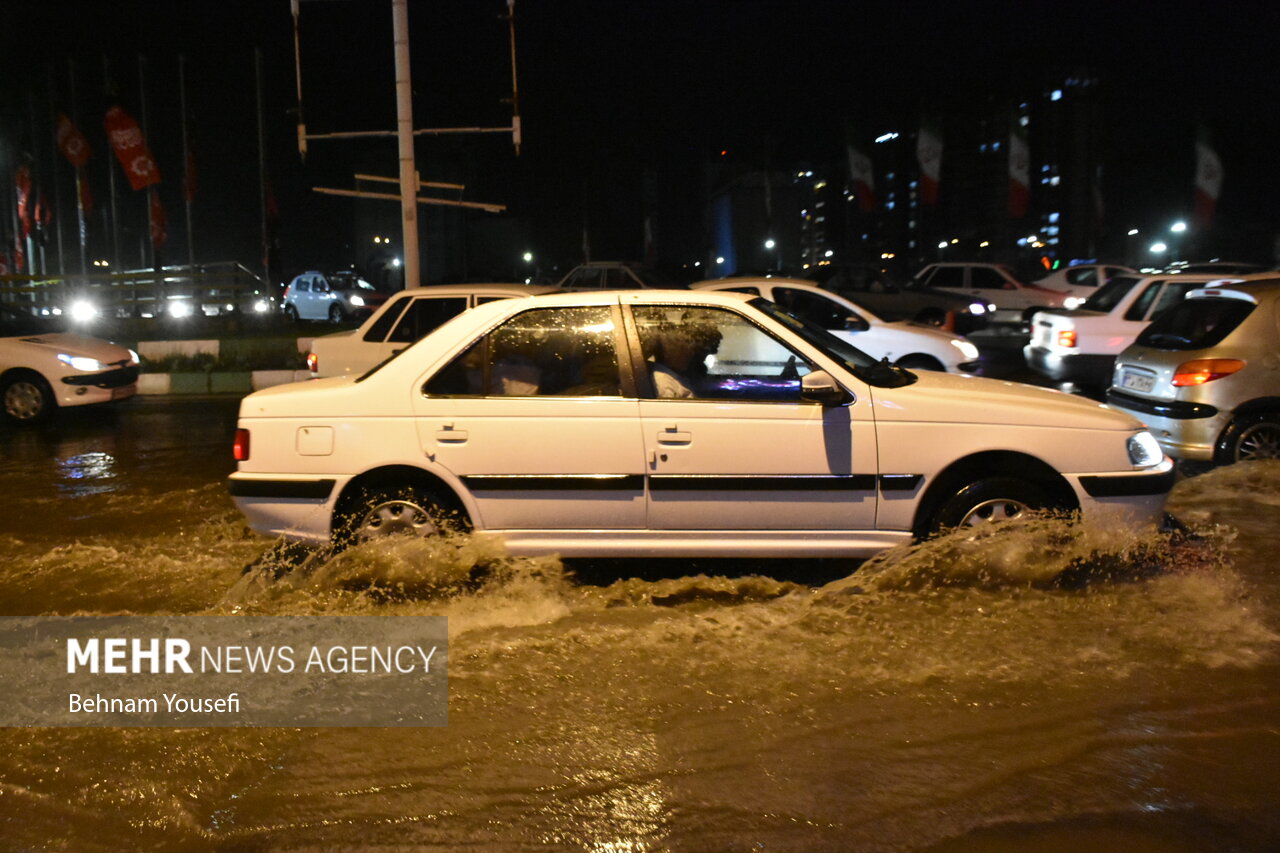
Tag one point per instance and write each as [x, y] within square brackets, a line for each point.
[610, 89]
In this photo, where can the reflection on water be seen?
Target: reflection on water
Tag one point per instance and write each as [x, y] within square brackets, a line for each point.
[83, 474]
[1043, 686]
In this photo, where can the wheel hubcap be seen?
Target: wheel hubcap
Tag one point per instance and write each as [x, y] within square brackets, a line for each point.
[395, 518]
[989, 512]
[1260, 441]
[23, 400]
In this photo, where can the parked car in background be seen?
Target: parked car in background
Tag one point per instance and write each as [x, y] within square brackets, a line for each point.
[1080, 281]
[674, 423]
[43, 367]
[407, 317]
[1081, 345]
[1205, 375]
[336, 297]
[882, 293]
[1217, 267]
[909, 345]
[1013, 298]
[614, 275]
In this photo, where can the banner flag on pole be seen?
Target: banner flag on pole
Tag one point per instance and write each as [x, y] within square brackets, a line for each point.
[1208, 179]
[159, 230]
[1019, 173]
[71, 142]
[862, 175]
[131, 149]
[929, 153]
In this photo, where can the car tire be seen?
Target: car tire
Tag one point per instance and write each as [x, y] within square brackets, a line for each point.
[382, 512]
[987, 502]
[27, 398]
[336, 314]
[917, 361]
[931, 317]
[1250, 437]
[291, 313]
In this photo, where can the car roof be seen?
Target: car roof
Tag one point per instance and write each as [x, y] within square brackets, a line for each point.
[1252, 288]
[756, 280]
[495, 288]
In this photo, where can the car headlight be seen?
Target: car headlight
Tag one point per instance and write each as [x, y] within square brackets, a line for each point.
[134, 357]
[1072, 302]
[1144, 450]
[179, 309]
[967, 349]
[82, 310]
[356, 300]
[977, 308]
[80, 362]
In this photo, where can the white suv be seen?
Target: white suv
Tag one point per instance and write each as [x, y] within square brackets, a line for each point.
[408, 316]
[674, 423]
[910, 345]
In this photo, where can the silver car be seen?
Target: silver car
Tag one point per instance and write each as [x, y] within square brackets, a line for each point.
[1205, 375]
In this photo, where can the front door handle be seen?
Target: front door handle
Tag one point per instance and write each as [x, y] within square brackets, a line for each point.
[675, 437]
[449, 435]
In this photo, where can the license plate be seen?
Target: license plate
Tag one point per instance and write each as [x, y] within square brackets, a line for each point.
[1143, 382]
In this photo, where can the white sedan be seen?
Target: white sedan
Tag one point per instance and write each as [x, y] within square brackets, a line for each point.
[910, 345]
[674, 423]
[42, 367]
[406, 317]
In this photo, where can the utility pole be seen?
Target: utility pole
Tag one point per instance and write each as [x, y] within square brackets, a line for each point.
[404, 139]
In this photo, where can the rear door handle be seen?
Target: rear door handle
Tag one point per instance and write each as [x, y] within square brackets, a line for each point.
[448, 435]
[674, 437]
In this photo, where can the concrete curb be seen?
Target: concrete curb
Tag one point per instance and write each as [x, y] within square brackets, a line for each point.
[217, 383]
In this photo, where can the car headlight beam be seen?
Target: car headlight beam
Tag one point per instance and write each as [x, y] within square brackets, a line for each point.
[967, 350]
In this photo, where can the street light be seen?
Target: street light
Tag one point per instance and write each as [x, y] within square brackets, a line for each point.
[1158, 247]
[1178, 227]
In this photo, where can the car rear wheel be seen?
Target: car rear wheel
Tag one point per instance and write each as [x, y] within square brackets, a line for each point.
[383, 512]
[27, 398]
[988, 502]
[1251, 437]
[291, 313]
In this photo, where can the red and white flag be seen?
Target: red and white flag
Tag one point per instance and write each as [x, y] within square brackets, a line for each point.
[1019, 173]
[862, 175]
[22, 183]
[131, 149]
[929, 153]
[71, 142]
[1208, 180]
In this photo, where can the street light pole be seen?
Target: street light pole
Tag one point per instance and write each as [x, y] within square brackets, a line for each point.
[404, 138]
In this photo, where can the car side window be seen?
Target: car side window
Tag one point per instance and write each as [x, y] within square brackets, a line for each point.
[809, 306]
[424, 316]
[319, 285]
[1171, 295]
[304, 285]
[378, 331]
[1082, 275]
[715, 354]
[1138, 309]
[986, 279]
[947, 277]
[584, 278]
[544, 352]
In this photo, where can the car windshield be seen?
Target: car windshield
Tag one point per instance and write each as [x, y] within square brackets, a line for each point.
[838, 348]
[349, 282]
[1195, 324]
[1109, 295]
[16, 323]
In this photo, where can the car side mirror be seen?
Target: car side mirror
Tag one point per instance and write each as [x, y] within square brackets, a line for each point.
[855, 323]
[819, 387]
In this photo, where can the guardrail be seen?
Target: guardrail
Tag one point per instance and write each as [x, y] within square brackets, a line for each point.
[206, 289]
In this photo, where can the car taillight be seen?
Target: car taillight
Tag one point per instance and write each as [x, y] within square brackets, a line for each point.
[1202, 370]
[313, 362]
[241, 447]
[1067, 338]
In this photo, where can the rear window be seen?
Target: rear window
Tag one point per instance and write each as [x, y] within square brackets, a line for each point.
[1109, 295]
[1195, 324]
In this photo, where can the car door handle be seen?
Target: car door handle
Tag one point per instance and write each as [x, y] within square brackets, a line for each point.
[449, 435]
[674, 437]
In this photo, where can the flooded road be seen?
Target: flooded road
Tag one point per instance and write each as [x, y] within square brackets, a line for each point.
[1039, 688]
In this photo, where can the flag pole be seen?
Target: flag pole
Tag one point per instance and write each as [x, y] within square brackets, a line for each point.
[57, 195]
[404, 137]
[80, 222]
[111, 174]
[188, 189]
[262, 172]
[149, 259]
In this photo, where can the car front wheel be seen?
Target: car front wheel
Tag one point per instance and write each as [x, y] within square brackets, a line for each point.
[1251, 437]
[27, 398]
[987, 502]
[336, 314]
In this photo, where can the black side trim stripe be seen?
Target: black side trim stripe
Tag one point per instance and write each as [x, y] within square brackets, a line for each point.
[307, 489]
[547, 482]
[1129, 485]
[900, 482]
[782, 483]
[1178, 409]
